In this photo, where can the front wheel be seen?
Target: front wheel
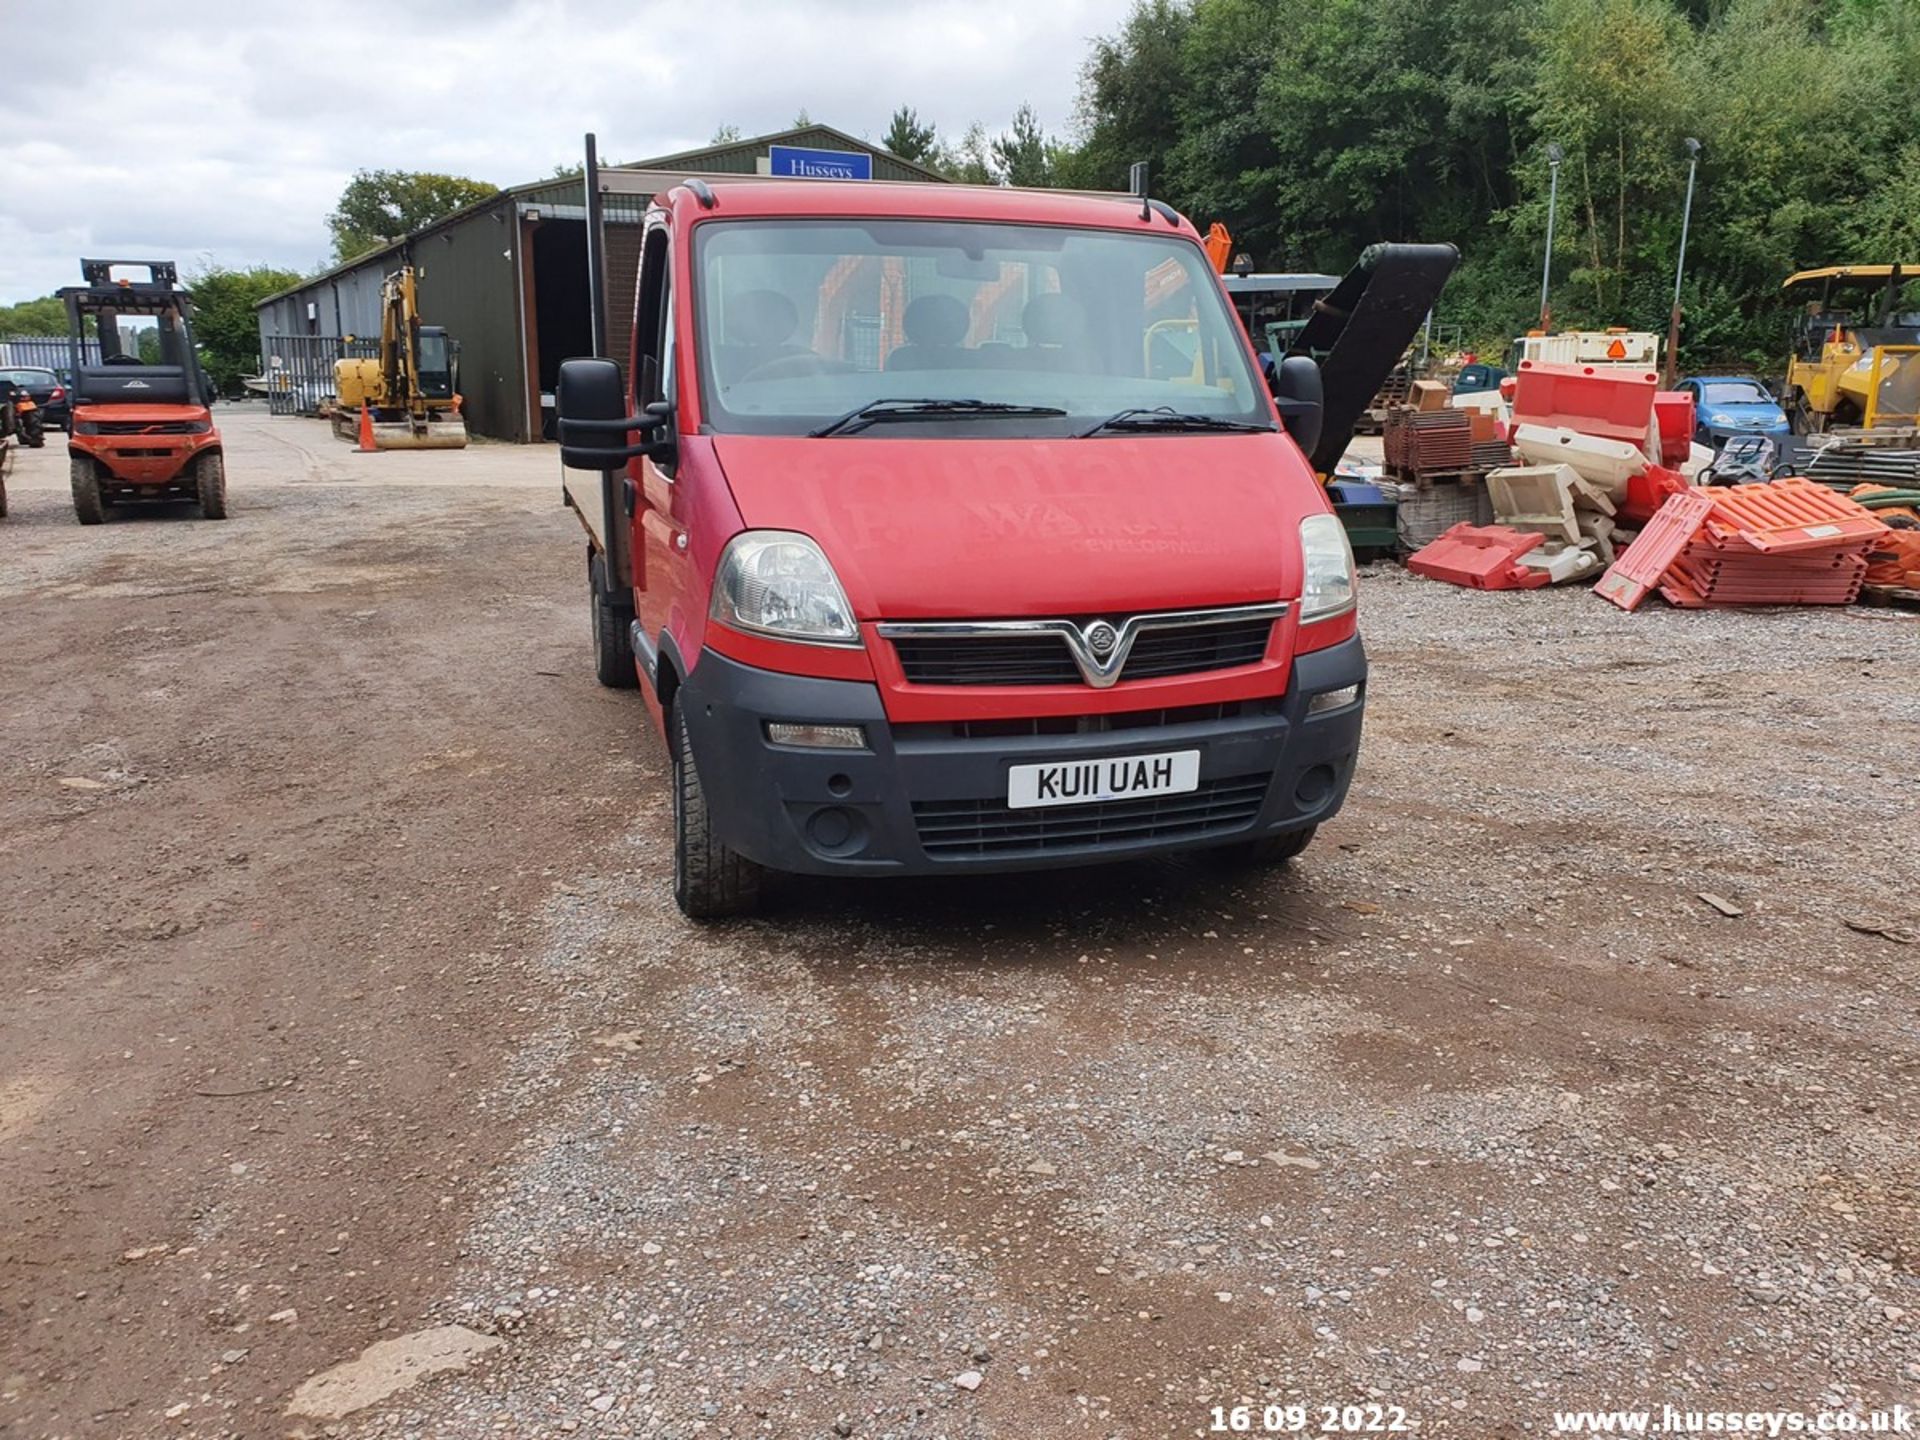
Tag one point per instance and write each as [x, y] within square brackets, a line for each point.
[1268, 850]
[710, 882]
[86, 490]
[210, 479]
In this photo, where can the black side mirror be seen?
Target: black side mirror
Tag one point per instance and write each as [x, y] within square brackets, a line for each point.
[1298, 393]
[591, 404]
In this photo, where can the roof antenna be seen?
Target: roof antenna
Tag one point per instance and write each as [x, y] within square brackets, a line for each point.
[1137, 182]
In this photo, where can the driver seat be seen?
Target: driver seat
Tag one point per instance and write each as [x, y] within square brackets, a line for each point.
[758, 329]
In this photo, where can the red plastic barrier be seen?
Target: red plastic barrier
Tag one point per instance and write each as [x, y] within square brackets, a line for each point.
[1772, 581]
[1704, 557]
[1647, 492]
[1638, 569]
[1674, 410]
[1788, 515]
[1480, 557]
[1684, 595]
[1611, 400]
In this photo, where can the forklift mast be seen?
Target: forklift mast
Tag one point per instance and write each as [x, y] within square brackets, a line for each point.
[122, 376]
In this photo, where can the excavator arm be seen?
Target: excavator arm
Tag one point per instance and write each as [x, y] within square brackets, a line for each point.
[404, 413]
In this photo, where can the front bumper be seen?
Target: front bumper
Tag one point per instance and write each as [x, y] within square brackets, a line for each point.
[1714, 436]
[932, 798]
[146, 462]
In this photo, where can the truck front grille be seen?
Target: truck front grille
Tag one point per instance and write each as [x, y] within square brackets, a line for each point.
[1064, 652]
[143, 427]
[955, 829]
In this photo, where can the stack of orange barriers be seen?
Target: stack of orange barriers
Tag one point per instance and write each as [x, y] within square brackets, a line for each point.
[1791, 542]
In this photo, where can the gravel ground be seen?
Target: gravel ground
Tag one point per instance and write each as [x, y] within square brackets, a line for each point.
[1476, 1109]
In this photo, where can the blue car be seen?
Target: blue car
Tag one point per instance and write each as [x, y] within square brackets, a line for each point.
[1729, 405]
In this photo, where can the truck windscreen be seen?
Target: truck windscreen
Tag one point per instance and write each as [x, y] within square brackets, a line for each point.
[804, 320]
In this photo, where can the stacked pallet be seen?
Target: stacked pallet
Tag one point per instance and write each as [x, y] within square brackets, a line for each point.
[1791, 542]
[1420, 444]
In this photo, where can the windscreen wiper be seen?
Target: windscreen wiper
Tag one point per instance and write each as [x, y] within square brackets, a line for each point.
[876, 412]
[1165, 417]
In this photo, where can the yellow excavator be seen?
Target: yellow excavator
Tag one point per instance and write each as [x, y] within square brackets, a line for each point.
[406, 392]
[1856, 350]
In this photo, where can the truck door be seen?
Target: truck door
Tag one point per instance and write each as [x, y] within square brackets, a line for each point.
[659, 532]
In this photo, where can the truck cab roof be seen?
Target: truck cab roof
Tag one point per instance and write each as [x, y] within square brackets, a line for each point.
[924, 200]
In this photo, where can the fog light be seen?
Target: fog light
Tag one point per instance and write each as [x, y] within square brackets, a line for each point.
[1315, 786]
[817, 737]
[1333, 699]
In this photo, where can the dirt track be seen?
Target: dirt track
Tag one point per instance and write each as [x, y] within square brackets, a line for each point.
[345, 983]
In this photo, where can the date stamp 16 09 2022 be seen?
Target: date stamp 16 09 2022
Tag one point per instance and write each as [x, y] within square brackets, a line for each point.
[1308, 1420]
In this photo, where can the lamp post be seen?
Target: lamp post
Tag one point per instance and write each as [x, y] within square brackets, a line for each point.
[1680, 267]
[1554, 156]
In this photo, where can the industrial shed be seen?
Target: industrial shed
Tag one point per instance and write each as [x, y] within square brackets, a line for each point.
[507, 277]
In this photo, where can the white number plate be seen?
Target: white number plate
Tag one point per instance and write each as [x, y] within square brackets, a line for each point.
[1083, 782]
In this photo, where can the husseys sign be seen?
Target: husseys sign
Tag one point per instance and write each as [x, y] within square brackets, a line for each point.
[795, 162]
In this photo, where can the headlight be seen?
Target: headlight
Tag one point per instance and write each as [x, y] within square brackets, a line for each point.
[776, 582]
[1329, 585]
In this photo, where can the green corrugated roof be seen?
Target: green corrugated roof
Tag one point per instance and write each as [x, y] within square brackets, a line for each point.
[740, 157]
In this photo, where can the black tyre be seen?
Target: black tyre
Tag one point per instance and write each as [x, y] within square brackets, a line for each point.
[86, 490]
[1268, 850]
[33, 430]
[710, 882]
[210, 479]
[612, 641]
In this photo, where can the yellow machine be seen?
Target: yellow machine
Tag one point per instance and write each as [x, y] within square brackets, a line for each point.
[1856, 350]
[407, 390]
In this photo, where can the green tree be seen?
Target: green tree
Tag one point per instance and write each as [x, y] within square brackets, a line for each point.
[909, 138]
[224, 322]
[381, 206]
[1613, 90]
[1131, 92]
[45, 316]
[1023, 155]
[1315, 127]
[726, 135]
[969, 161]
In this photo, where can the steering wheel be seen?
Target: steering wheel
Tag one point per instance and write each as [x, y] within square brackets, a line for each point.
[122, 360]
[794, 367]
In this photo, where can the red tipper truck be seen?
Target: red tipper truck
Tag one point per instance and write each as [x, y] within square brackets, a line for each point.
[951, 529]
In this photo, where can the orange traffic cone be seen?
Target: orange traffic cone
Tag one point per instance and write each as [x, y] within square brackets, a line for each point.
[366, 430]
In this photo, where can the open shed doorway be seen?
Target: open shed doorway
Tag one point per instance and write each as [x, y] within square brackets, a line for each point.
[558, 299]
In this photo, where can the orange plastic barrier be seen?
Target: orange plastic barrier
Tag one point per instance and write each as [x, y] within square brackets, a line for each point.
[1647, 491]
[1637, 571]
[1784, 587]
[1788, 515]
[1480, 557]
[1674, 410]
[1611, 400]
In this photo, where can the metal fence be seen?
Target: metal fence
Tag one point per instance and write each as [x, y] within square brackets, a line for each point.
[46, 352]
[299, 370]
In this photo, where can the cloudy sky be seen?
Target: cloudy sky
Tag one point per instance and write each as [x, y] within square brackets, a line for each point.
[230, 136]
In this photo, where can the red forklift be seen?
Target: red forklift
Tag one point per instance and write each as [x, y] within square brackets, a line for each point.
[141, 428]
